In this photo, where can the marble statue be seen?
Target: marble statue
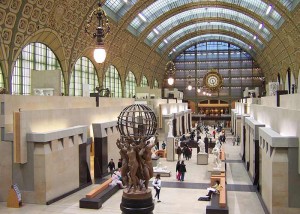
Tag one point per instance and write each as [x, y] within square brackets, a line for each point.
[202, 146]
[170, 132]
[218, 144]
[217, 161]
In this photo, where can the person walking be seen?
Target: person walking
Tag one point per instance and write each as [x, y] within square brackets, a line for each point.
[182, 170]
[111, 166]
[157, 186]
[178, 171]
[179, 151]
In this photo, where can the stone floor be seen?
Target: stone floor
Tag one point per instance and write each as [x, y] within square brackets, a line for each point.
[177, 197]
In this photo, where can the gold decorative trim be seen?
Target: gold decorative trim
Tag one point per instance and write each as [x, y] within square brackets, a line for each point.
[213, 74]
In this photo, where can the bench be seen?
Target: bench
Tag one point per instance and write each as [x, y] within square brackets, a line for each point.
[219, 201]
[95, 198]
[161, 153]
[215, 177]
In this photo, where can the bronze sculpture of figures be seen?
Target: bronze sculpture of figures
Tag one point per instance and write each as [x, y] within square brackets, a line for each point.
[137, 167]
[137, 126]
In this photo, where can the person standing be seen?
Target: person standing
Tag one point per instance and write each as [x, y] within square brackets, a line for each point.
[182, 170]
[238, 140]
[119, 163]
[214, 134]
[157, 186]
[111, 166]
[178, 171]
[179, 151]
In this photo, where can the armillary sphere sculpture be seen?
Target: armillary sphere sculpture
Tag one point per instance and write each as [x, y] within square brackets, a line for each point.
[137, 125]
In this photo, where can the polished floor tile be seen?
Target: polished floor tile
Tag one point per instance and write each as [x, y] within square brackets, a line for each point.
[177, 197]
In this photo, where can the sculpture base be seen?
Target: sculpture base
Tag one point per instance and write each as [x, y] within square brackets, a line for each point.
[139, 202]
[202, 158]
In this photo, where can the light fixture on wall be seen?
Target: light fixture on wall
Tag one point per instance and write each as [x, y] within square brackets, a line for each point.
[102, 30]
[189, 87]
[170, 71]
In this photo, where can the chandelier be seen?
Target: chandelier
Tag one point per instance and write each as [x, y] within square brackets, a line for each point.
[102, 30]
[170, 71]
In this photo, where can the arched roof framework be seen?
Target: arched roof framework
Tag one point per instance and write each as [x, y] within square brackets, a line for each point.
[212, 26]
[283, 8]
[163, 13]
[209, 38]
[192, 6]
[236, 39]
[191, 22]
[197, 15]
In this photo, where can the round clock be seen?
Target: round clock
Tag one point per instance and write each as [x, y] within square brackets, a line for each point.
[213, 80]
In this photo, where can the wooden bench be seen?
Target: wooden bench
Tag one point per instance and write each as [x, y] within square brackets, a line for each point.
[219, 201]
[95, 198]
[99, 189]
[215, 177]
[161, 153]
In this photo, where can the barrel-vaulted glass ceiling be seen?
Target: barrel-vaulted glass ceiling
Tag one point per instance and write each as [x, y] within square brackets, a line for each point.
[161, 7]
[211, 37]
[289, 4]
[204, 13]
[198, 27]
[118, 8]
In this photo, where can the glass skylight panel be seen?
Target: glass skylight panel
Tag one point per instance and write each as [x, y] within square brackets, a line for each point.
[119, 7]
[289, 4]
[186, 16]
[161, 7]
[212, 26]
[210, 37]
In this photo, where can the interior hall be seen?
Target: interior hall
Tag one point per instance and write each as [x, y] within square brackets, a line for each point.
[150, 106]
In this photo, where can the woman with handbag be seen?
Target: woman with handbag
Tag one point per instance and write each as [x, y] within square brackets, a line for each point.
[157, 186]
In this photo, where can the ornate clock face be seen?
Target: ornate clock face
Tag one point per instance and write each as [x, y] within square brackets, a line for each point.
[213, 80]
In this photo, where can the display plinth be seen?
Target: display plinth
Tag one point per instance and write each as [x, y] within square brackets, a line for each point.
[214, 170]
[139, 202]
[202, 159]
[170, 149]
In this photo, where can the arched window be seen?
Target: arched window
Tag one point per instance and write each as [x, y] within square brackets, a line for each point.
[155, 85]
[1, 77]
[35, 56]
[144, 82]
[112, 81]
[278, 78]
[84, 72]
[130, 85]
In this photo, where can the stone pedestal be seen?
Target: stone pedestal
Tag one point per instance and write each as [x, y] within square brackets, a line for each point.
[202, 159]
[155, 161]
[137, 202]
[214, 170]
[170, 149]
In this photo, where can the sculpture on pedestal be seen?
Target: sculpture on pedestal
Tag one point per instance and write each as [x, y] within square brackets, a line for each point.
[216, 153]
[170, 131]
[137, 126]
[202, 146]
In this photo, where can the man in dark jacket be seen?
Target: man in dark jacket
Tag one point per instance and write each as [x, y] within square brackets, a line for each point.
[111, 166]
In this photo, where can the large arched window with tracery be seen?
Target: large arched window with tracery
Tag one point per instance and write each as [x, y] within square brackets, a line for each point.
[144, 81]
[112, 81]
[35, 56]
[130, 85]
[84, 73]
